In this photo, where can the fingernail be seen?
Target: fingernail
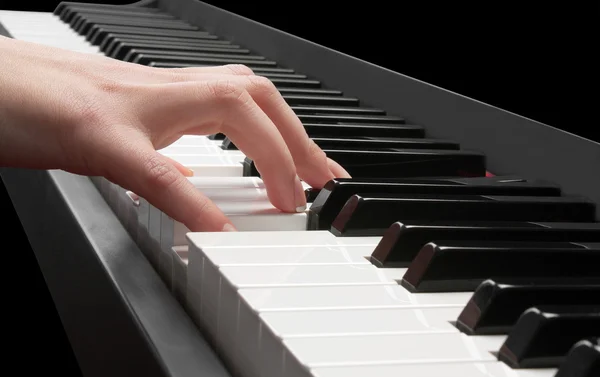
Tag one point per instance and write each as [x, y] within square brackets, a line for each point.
[229, 228]
[299, 195]
[189, 173]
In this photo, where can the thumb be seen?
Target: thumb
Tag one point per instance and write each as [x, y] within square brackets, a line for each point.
[161, 181]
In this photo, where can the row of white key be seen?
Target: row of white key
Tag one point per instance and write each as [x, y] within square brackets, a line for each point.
[300, 304]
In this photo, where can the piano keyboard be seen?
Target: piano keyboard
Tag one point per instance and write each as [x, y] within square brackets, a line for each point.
[422, 264]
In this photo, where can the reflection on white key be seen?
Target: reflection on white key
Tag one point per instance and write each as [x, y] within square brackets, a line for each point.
[256, 301]
[220, 307]
[274, 239]
[174, 149]
[302, 354]
[244, 215]
[444, 369]
[193, 140]
[212, 166]
[276, 326]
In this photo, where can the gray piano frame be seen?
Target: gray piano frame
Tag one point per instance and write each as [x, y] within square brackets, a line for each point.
[120, 317]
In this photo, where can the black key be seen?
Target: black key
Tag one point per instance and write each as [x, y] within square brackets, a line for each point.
[218, 136]
[66, 12]
[371, 143]
[456, 266]
[257, 70]
[294, 83]
[125, 51]
[145, 59]
[192, 52]
[114, 41]
[494, 308]
[374, 119]
[147, 56]
[296, 99]
[277, 75]
[543, 336]
[316, 92]
[401, 163]
[99, 31]
[397, 130]
[82, 24]
[373, 214]
[311, 194]
[336, 192]
[344, 111]
[403, 240]
[72, 12]
[583, 360]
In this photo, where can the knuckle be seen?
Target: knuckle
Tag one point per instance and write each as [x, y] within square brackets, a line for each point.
[159, 173]
[227, 91]
[262, 85]
[239, 69]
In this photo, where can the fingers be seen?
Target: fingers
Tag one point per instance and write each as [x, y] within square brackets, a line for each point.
[155, 178]
[232, 110]
[311, 162]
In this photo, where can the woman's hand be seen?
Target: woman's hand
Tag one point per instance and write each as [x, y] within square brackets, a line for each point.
[98, 116]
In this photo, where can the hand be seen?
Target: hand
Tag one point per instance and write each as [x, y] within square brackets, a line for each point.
[97, 116]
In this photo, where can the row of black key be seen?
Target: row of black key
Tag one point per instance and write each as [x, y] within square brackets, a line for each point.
[453, 234]
[541, 248]
[337, 118]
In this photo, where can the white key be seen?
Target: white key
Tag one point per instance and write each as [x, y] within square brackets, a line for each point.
[212, 166]
[220, 307]
[262, 244]
[207, 153]
[257, 301]
[275, 239]
[275, 326]
[175, 149]
[194, 140]
[180, 263]
[245, 216]
[303, 354]
[443, 369]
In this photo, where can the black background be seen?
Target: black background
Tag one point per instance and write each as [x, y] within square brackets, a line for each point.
[536, 60]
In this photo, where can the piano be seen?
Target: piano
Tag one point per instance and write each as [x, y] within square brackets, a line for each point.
[476, 254]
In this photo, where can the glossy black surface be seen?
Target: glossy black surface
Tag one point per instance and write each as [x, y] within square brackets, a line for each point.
[348, 129]
[373, 214]
[403, 240]
[543, 336]
[371, 143]
[98, 32]
[583, 360]
[83, 8]
[82, 24]
[337, 192]
[494, 307]
[455, 266]
[400, 163]
[113, 41]
[216, 59]
[372, 119]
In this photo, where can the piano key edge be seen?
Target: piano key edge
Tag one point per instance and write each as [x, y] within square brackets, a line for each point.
[100, 281]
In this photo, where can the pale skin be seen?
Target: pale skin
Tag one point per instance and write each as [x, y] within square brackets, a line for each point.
[96, 116]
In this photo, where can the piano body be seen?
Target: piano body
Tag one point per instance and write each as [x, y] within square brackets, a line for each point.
[408, 280]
